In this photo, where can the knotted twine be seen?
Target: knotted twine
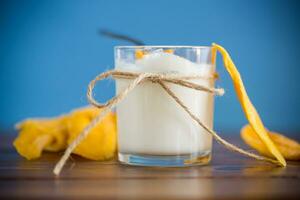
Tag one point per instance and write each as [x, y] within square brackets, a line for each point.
[156, 78]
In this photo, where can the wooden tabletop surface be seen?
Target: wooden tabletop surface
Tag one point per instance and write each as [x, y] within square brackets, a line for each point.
[228, 176]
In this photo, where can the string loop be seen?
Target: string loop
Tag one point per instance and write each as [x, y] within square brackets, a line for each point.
[155, 78]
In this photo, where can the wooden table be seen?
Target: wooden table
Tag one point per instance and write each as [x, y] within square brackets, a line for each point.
[229, 176]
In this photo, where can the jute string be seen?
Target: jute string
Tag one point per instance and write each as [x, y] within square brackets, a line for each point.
[156, 78]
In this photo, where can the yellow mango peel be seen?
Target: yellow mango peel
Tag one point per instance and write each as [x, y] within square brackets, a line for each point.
[289, 148]
[38, 135]
[249, 110]
[101, 143]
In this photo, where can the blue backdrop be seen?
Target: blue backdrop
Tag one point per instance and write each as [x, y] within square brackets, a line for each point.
[49, 50]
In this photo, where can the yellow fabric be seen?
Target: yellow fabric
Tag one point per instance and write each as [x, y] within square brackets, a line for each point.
[289, 148]
[249, 110]
[38, 135]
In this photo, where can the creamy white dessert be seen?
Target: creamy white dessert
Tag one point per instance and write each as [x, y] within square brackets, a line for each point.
[151, 123]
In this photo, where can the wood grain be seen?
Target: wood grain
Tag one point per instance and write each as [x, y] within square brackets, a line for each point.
[229, 176]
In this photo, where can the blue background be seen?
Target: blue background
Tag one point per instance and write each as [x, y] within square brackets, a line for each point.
[50, 50]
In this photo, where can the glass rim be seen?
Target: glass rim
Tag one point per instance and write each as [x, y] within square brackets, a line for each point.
[162, 46]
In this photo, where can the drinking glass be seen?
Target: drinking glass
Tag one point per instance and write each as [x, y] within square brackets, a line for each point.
[153, 130]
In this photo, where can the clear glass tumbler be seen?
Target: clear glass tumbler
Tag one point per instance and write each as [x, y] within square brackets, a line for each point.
[153, 130]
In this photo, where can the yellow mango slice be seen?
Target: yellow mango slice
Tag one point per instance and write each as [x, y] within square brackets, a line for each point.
[37, 135]
[139, 54]
[249, 110]
[289, 148]
[169, 51]
[101, 142]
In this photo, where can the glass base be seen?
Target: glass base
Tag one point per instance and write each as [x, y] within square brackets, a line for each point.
[202, 158]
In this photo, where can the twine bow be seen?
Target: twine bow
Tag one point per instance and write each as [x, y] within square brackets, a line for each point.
[156, 78]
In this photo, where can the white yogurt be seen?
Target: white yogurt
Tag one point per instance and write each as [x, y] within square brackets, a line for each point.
[150, 122]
